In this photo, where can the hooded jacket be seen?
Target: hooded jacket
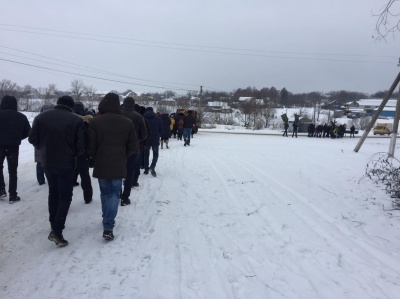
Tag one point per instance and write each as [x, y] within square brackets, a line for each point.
[14, 126]
[156, 128]
[128, 110]
[112, 139]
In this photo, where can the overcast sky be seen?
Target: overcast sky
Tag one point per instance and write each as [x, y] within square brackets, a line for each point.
[154, 45]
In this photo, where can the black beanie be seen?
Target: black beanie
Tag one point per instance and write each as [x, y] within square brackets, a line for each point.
[129, 104]
[8, 102]
[66, 101]
[79, 108]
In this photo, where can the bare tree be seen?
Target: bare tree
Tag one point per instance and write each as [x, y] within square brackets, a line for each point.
[77, 88]
[49, 94]
[90, 93]
[7, 87]
[388, 20]
[25, 94]
[268, 111]
[362, 122]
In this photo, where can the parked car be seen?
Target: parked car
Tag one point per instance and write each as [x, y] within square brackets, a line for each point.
[383, 128]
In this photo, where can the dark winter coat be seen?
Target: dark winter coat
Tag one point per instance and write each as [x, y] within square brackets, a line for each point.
[112, 139]
[156, 128]
[128, 110]
[59, 135]
[166, 122]
[188, 121]
[38, 155]
[14, 126]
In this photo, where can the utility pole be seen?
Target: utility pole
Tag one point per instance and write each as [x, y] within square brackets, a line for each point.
[378, 112]
[200, 105]
[393, 136]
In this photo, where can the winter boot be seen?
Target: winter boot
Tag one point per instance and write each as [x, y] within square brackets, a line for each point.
[125, 201]
[14, 199]
[153, 172]
[108, 235]
[135, 184]
[3, 193]
[166, 143]
[58, 239]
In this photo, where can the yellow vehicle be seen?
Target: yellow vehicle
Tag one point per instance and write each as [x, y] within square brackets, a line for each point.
[383, 128]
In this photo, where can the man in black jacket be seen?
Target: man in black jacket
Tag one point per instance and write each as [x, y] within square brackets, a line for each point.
[14, 126]
[133, 161]
[188, 122]
[59, 135]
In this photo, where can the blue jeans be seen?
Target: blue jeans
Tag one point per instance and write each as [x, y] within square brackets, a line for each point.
[186, 134]
[147, 156]
[60, 196]
[109, 194]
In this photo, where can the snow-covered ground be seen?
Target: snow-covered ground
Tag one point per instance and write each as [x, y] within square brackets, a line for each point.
[231, 216]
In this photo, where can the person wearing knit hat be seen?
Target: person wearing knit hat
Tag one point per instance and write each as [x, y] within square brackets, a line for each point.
[66, 101]
[59, 135]
[14, 127]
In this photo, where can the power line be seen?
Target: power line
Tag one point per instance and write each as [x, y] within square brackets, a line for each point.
[187, 45]
[225, 53]
[89, 68]
[93, 77]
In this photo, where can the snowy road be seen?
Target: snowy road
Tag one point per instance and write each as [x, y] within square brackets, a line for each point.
[231, 216]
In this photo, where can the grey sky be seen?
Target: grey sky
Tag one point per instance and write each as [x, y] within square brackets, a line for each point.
[308, 45]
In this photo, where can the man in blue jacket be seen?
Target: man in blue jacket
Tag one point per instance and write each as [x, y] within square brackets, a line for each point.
[14, 126]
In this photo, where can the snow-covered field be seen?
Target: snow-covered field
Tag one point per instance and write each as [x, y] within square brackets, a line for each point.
[231, 216]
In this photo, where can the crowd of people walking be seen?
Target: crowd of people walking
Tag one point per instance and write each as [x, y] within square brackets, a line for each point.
[69, 140]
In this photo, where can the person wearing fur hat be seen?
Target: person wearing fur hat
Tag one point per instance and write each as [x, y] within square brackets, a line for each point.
[112, 139]
[59, 135]
[14, 127]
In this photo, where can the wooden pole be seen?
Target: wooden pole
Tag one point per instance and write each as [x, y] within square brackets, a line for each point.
[378, 112]
[393, 136]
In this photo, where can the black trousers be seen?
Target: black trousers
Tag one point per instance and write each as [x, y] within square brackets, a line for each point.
[60, 183]
[82, 169]
[130, 169]
[11, 154]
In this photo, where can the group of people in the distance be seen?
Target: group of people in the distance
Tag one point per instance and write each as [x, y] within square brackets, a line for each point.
[329, 131]
[69, 139]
